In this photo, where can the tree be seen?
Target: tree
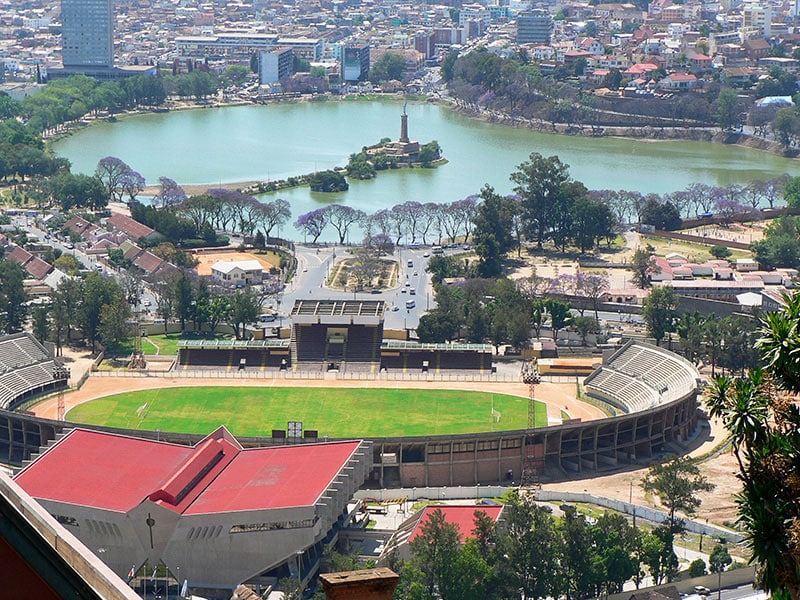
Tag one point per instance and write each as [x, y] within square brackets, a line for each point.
[592, 286]
[313, 223]
[661, 215]
[720, 252]
[429, 152]
[643, 264]
[781, 244]
[676, 481]
[12, 296]
[659, 310]
[533, 548]
[342, 218]
[360, 167]
[40, 323]
[111, 170]
[328, 181]
[559, 313]
[584, 326]
[791, 192]
[492, 235]
[697, 568]
[762, 422]
[389, 66]
[132, 183]
[98, 292]
[434, 552]
[170, 193]
[719, 559]
[541, 183]
[244, 308]
[115, 328]
[729, 116]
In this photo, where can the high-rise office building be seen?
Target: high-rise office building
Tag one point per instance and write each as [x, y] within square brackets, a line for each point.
[87, 33]
[274, 65]
[534, 27]
[355, 62]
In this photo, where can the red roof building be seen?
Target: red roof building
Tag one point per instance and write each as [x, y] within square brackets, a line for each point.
[462, 516]
[225, 514]
[131, 227]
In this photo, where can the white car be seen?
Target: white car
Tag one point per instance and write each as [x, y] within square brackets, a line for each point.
[146, 302]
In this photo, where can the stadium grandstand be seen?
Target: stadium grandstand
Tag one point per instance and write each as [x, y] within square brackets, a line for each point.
[220, 513]
[243, 355]
[343, 335]
[334, 335]
[26, 369]
[399, 355]
[639, 376]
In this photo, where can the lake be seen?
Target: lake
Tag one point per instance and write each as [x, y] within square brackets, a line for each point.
[241, 143]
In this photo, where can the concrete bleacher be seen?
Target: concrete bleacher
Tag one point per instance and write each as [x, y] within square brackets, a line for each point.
[19, 350]
[26, 368]
[640, 376]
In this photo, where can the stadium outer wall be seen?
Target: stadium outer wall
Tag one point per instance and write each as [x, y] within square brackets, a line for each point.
[466, 459]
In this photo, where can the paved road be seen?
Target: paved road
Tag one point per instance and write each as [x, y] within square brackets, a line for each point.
[314, 266]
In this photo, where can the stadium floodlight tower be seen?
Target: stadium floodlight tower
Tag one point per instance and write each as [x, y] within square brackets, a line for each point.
[531, 463]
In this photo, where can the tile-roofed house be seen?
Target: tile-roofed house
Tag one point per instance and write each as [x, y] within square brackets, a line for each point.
[131, 227]
[678, 81]
[19, 255]
[148, 262]
[37, 268]
[78, 225]
[131, 252]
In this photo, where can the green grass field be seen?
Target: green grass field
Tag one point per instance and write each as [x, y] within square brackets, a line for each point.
[335, 412]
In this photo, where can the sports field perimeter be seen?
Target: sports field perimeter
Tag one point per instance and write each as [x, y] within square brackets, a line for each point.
[335, 412]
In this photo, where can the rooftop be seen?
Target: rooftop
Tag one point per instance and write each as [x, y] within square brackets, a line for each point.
[216, 475]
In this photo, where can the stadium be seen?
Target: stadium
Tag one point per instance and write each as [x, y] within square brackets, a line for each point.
[649, 395]
[653, 393]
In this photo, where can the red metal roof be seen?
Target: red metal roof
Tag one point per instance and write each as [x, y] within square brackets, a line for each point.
[118, 473]
[263, 478]
[462, 517]
[104, 470]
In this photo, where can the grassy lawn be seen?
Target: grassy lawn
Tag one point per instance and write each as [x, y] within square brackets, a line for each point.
[127, 349]
[168, 344]
[694, 252]
[250, 411]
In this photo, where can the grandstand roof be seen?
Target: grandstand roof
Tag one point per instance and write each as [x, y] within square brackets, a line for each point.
[405, 345]
[338, 307]
[234, 344]
[117, 473]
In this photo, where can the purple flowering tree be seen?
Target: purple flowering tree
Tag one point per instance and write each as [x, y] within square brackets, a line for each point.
[171, 193]
[313, 223]
[132, 183]
[110, 170]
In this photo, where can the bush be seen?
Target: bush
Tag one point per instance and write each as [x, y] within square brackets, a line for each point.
[697, 568]
[720, 252]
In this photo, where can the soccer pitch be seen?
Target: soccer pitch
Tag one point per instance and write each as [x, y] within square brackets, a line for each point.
[335, 412]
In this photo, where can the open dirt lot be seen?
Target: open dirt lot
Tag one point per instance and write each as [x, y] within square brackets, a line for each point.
[209, 258]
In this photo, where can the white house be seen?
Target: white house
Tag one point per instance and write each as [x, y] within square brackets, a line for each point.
[238, 271]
